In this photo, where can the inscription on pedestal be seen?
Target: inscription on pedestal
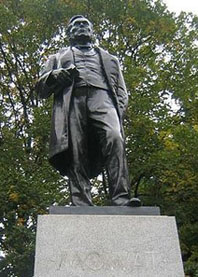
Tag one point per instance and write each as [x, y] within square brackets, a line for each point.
[125, 262]
[96, 261]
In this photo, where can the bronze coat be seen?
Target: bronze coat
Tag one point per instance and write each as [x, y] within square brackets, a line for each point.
[59, 155]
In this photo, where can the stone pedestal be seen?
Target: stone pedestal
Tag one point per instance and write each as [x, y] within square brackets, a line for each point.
[73, 245]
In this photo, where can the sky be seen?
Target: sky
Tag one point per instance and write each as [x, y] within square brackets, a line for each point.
[177, 6]
[182, 5]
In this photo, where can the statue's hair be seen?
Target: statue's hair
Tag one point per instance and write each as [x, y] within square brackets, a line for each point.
[75, 17]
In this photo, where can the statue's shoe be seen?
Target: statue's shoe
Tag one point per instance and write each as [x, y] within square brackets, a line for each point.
[133, 202]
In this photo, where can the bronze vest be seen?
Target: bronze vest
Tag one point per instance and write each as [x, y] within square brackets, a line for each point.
[87, 61]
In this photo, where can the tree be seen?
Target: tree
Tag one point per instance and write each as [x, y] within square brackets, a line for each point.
[159, 56]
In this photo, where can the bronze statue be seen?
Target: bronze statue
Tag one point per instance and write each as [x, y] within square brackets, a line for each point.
[90, 98]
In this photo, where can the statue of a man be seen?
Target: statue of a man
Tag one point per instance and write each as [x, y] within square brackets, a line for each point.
[90, 99]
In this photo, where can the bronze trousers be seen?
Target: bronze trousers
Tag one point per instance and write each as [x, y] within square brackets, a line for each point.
[93, 108]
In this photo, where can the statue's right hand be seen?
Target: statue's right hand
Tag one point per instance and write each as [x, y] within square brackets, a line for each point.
[61, 76]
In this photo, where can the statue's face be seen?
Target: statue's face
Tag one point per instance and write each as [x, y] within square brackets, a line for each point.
[81, 29]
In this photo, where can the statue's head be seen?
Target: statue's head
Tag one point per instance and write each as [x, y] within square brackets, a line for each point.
[80, 29]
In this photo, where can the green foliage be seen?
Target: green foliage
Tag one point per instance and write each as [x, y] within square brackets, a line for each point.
[159, 55]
